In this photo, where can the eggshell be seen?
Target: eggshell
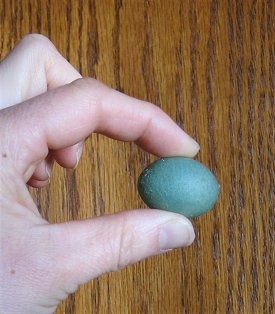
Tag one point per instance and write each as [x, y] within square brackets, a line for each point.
[179, 184]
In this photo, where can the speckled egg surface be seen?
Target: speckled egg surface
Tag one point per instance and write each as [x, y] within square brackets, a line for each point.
[179, 184]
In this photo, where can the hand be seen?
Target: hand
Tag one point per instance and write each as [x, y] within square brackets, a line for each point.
[47, 112]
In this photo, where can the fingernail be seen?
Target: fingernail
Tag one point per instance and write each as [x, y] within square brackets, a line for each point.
[175, 233]
[78, 154]
[194, 146]
[48, 173]
[190, 146]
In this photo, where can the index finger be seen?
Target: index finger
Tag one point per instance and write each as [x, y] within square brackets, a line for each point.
[67, 115]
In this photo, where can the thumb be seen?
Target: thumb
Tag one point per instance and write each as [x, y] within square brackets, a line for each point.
[89, 248]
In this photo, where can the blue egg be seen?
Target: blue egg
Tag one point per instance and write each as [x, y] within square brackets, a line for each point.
[179, 184]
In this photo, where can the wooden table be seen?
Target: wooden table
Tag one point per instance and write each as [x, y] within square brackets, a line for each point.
[211, 66]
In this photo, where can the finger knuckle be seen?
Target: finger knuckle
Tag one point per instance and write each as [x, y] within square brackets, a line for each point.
[89, 83]
[127, 240]
[37, 42]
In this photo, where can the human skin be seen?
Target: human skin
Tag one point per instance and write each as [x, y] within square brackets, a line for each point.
[47, 111]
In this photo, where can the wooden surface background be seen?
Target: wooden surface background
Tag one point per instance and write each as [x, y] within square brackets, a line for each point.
[211, 66]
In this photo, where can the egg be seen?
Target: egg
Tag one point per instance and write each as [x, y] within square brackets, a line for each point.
[179, 184]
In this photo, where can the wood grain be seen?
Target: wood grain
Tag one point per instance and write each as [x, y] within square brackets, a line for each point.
[211, 66]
